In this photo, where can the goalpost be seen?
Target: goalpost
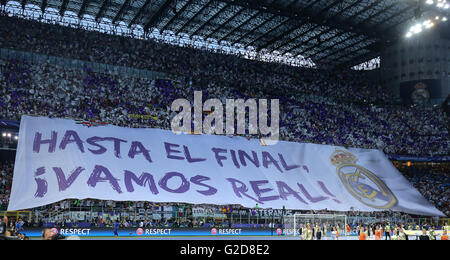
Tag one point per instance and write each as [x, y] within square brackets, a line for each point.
[293, 223]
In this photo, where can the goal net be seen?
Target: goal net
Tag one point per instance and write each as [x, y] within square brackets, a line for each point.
[329, 225]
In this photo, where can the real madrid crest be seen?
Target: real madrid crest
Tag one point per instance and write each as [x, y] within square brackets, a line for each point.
[361, 183]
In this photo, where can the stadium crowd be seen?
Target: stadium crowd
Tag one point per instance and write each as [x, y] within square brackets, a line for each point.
[49, 90]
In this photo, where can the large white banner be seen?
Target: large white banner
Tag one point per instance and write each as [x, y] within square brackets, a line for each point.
[59, 159]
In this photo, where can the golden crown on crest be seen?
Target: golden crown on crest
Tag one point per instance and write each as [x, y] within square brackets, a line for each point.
[339, 157]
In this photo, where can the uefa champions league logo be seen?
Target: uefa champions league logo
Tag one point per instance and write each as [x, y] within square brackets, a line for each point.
[361, 183]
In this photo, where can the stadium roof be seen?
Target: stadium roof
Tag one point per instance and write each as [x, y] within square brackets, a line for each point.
[332, 32]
